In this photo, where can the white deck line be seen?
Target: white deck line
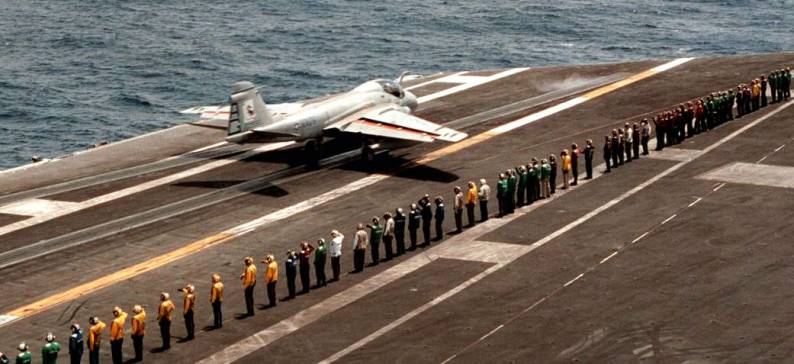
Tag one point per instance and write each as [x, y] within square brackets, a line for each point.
[433, 81]
[466, 86]
[464, 79]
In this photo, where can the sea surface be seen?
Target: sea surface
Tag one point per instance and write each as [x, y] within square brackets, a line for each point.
[75, 73]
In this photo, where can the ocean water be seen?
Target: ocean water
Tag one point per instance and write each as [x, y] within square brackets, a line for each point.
[74, 73]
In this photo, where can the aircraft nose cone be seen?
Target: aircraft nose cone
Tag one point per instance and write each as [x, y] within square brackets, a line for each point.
[410, 101]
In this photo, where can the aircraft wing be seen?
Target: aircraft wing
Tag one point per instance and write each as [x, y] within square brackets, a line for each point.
[222, 112]
[395, 124]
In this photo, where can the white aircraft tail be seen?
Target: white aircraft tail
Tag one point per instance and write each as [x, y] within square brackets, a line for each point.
[247, 109]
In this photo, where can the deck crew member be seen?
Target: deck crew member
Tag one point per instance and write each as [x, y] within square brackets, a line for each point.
[271, 279]
[763, 90]
[216, 300]
[522, 175]
[553, 175]
[94, 339]
[471, 201]
[635, 135]
[628, 141]
[117, 335]
[501, 194]
[291, 267]
[249, 282]
[533, 184]
[439, 215]
[320, 257]
[484, 194]
[49, 352]
[427, 216]
[414, 220]
[76, 347]
[607, 153]
[512, 180]
[375, 236]
[360, 242]
[388, 235]
[336, 252]
[660, 132]
[566, 168]
[614, 147]
[24, 356]
[588, 159]
[138, 331]
[188, 310]
[304, 255]
[399, 230]
[575, 163]
[545, 184]
[164, 316]
[457, 209]
[645, 135]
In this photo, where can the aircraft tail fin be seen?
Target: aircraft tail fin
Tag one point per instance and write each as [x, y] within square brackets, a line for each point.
[247, 111]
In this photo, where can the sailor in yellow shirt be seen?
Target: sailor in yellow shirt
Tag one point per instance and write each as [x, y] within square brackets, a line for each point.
[117, 334]
[566, 168]
[216, 298]
[188, 304]
[164, 316]
[271, 278]
[471, 201]
[249, 281]
[138, 330]
[94, 339]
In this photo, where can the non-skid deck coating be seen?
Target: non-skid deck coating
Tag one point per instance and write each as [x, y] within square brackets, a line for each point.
[651, 262]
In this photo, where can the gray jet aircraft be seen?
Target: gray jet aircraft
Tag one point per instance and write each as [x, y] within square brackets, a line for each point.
[375, 110]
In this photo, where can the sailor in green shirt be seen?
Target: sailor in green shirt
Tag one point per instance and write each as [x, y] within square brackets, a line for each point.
[511, 191]
[501, 192]
[319, 262]
[49, 353]
[787, 84]
[773, 85]
[375, 234]
[533, 186]
[523, 175]
[545, 174]
[24, 357]
[709, 107]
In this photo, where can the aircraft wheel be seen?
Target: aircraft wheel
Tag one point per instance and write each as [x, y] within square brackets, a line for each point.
[311, 153]
[367, 154]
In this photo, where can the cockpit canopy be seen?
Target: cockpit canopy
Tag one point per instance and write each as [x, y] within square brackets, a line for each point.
[391, 87]
[388, 86]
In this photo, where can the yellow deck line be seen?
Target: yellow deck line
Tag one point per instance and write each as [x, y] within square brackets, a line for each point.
[197, 246]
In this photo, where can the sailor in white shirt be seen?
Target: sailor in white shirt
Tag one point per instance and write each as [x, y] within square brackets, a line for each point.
[336, 253]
